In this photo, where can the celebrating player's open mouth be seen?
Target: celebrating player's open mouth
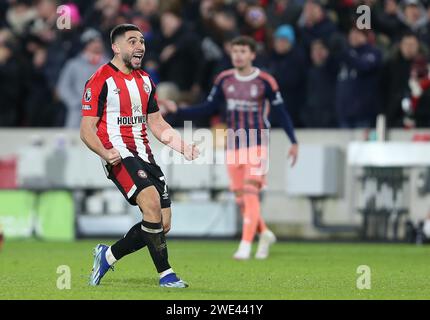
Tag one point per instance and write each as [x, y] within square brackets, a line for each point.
[136, 59]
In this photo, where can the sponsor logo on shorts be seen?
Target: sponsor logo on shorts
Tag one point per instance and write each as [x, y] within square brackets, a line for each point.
[86, 107]
[142, 174]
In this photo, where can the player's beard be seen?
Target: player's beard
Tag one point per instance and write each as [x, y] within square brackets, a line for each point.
[126, 58]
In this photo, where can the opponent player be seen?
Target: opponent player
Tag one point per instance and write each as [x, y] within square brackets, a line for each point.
[247, 92]
[118, 105]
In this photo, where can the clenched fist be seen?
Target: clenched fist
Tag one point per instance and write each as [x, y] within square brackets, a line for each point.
[112, 157]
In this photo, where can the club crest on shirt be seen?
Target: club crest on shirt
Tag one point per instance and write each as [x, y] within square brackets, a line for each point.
[117, 90]
[87, 95]
[142, 174]
[146, 88]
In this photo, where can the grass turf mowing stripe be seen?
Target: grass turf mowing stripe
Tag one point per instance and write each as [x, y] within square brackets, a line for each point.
[28, 270]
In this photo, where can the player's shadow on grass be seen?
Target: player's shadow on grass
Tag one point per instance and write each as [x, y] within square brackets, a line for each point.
[137, 282]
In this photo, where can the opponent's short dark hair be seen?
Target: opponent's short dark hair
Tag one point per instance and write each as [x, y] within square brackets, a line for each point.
[245, 41]
[121, 29]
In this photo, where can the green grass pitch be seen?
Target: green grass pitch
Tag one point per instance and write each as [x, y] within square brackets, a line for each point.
[28, 270]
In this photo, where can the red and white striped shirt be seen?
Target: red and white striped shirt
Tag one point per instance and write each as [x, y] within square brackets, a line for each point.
[122, 101]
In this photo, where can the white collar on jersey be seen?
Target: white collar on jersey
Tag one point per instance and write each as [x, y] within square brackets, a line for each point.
[249, 77]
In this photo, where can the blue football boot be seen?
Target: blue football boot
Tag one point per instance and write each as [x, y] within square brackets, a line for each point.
[172, 281]
[100, 265]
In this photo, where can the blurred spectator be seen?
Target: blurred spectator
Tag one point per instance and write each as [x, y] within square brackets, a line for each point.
[59, 44]
[178, 53]
[146, 17]
[3, 9]
[396, 18]
[104, 16]
[148, 9]
[41, 108]
[287, 64]
[214, 27]
[19, 15]
[414, 18]
[214, 22]
[319, 109]
[224, 62]
[343, 10]
[395, 79]
[76, 72]
[255, 26]
[357, 91]
[386, 19]
[283, 12]
[171, 5]
[417, 109]
[11, 84]
[314, 23]
[44, 26]
[189, 45]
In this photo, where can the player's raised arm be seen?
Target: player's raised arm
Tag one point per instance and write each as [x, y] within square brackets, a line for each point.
[279, 108]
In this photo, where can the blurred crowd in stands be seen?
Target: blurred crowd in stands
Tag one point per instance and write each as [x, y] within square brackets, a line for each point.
[331, 73]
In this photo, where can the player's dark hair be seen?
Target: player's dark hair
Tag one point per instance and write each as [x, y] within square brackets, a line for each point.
[245, 41]
[121, 29]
